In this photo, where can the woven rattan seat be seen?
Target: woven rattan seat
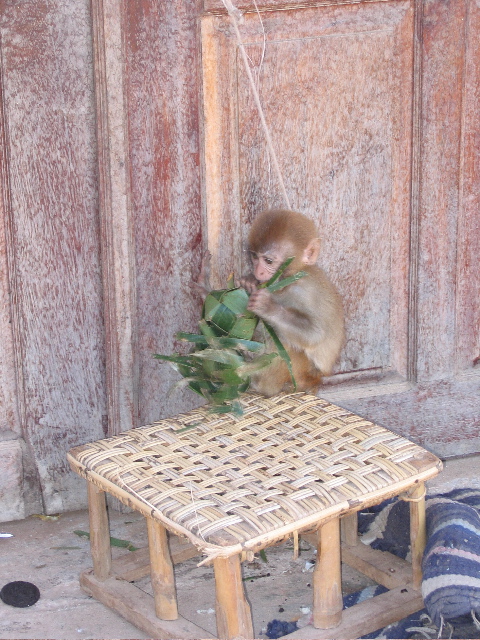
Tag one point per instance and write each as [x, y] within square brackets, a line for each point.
[234, 484]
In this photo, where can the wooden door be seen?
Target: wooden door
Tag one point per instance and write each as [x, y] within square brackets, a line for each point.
[336, 88]
[370, 107]
[99, 229]
[52, 379]
[130, 143]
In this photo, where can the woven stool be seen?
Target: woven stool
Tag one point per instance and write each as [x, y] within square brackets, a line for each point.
[234, 485]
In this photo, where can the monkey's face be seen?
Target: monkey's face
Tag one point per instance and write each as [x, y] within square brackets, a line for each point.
[265, 263]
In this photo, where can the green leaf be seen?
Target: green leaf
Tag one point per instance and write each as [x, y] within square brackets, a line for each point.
[190, 370]
[249, 368]
[185, 365]
[236, 343]
[236, 300]
[231, 407]
[211, 303]
[208, 367]
[223, 318]
[115, 542]
[224, 356]
[198, 340]
[207, 330]
[215, 293]
[202, 387]
[199, 382]
[277, 273]
[187, 382]
[177, 359]
[282, 352]
[244, 327]
[224, 393]
[230, 376]
[281, 284]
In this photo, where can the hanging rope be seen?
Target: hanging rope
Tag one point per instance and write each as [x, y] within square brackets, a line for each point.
[235, 16]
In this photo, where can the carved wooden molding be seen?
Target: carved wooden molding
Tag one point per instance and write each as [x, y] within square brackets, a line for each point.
[336, 188]
[117, 239]
[11, 381]
[415, 197]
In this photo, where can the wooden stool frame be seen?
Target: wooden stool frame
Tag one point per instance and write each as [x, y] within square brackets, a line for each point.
[111, 582]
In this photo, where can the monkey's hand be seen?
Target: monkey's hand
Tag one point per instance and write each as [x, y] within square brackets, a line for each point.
[249, 283]
[261, 302]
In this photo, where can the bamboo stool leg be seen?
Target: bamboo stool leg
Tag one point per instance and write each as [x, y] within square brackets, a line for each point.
[234, 617]
[418, 531]
[161, 571]
[99, 532]
[349, 529]
[327, 578]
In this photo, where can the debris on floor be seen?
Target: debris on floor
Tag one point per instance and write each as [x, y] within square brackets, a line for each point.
[20, 594]
[279, 628]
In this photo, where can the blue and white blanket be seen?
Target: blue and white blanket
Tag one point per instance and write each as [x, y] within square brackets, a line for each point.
[451, 566]
[451, 563]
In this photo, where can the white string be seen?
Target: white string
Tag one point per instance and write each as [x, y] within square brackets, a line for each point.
[259, 70]
[262, 57]
[196, 514]
[235, 16]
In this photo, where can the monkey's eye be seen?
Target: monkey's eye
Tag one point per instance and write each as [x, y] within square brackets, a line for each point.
[269, 261]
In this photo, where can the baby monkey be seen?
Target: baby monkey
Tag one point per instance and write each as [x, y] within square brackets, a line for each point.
[306, 315]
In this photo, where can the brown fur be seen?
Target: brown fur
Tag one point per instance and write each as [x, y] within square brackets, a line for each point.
[307, 315]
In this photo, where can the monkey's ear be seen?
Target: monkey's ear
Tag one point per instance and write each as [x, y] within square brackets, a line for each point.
[311, 252]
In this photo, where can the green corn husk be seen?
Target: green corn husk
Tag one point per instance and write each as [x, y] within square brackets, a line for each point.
[224, 355]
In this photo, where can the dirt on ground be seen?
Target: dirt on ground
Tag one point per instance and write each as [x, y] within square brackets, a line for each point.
[51, 553]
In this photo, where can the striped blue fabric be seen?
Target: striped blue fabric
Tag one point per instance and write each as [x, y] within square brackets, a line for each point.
[451, 562]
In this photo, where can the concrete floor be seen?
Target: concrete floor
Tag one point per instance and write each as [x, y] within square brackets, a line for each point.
[51, 555]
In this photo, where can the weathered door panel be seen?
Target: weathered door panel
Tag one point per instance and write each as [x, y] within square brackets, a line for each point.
[467, 316]
[448, 280]
[162, 92]
[443, 416]
[52, 231]
[443, 409]
[336, 88]
[373, 110]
